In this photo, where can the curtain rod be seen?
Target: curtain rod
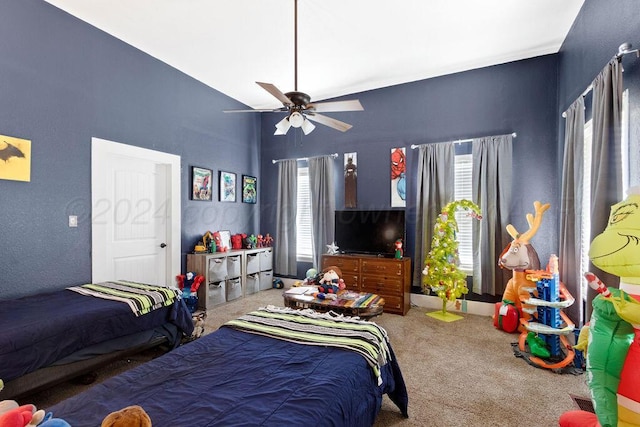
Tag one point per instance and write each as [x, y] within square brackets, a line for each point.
[623, 49]
[459, 141]
[334, 155]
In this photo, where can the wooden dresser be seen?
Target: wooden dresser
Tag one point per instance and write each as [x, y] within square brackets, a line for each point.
[388, 277]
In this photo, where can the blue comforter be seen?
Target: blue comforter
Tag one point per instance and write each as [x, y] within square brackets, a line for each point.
[234, 378]
[41, 329]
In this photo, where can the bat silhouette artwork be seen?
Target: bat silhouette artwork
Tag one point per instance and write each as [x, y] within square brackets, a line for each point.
[10, 151]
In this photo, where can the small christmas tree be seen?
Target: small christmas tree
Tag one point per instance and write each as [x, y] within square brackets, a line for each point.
[441, 274]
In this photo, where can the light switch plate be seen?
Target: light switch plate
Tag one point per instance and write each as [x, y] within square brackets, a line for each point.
[73, 220]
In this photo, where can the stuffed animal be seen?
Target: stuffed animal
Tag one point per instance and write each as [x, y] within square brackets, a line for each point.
[331, 282]
[131, 416]
[49, 421]
[14, 415]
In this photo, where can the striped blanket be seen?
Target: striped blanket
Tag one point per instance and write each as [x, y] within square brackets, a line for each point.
[320, 329]
[140, 297]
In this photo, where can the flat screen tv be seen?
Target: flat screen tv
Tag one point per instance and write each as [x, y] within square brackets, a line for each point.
[371, 232]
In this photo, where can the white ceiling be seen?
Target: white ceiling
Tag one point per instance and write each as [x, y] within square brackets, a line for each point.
[344, 46]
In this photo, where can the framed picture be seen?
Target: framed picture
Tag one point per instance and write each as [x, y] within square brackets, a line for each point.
[398, 179]
[225, 239]
[201, 183]
[227, 186]
[249, 189]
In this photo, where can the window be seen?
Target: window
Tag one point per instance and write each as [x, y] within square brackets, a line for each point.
[463, 166]
[304, 234]
[585, 226]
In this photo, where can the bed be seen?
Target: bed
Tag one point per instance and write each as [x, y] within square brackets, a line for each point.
[271, 367]
[50, 337]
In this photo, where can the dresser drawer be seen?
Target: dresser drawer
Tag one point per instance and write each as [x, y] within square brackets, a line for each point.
[351, 281]
[381, 285]
[383, 267]
[345, 264]
[393, 304]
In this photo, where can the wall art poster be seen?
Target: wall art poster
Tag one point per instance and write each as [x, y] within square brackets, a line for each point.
[249, 189]
[15, 158]
[227, 186]
[398, 177]
[350, 180]
[201, 182]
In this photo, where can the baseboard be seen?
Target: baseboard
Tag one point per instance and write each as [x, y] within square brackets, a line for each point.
[433, 302]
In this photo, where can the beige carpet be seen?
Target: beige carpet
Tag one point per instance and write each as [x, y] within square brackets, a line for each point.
[461, 373]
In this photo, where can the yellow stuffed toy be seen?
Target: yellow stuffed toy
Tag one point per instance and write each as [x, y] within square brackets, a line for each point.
[131, 416]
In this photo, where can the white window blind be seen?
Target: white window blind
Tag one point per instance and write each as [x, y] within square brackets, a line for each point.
[585, 225]
[304, 239]
[463, 165]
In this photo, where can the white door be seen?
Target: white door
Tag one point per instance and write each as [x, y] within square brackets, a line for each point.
[135, 214]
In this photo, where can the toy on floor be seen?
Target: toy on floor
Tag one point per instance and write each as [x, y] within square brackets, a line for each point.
[613, 352]
[536, 298]
[189, 284]
[519, 256]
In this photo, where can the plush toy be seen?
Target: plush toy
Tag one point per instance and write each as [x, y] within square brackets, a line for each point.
[49, 421]
[331, 282]
[131, 416]
[613, 350]
[14, 415]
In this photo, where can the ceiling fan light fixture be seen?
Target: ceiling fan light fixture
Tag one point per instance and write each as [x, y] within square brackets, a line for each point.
[296, 119]
[282, 127]
[307, 127]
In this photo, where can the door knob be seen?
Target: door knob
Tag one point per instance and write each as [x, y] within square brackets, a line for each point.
[163, 245]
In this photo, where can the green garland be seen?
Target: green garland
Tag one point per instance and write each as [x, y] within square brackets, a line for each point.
[441, 274]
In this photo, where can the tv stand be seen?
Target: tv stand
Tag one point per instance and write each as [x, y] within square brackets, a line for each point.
[388, 277]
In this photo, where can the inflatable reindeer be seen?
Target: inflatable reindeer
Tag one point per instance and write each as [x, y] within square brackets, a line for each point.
[519, 256]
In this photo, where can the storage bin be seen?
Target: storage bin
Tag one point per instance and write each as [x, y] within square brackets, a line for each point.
[253, 284]
[266, 260]
[253, 263]
[217, 269]
[216, 294]
[266, 280]
[233, 266]
[234, 289]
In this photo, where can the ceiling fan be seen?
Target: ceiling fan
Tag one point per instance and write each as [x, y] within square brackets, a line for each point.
[301, 111]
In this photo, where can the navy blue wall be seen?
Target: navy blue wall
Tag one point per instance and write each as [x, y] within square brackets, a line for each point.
[598, 31]
[63, 82]
[515, 97]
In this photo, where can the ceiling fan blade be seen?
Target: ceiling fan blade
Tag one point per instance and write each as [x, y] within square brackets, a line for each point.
[325, 107]
[250, 111]
[275, 92]
[329, 121]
